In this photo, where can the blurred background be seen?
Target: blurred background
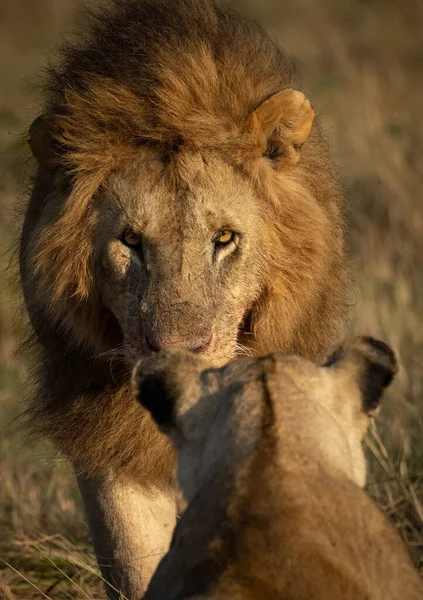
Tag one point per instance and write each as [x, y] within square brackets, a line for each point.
[361, 62]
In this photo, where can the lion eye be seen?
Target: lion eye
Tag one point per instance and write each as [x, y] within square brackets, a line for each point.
[224, 238]
[131, 239]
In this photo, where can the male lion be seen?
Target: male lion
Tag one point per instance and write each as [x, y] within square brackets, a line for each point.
[184, 198]
[271, 463]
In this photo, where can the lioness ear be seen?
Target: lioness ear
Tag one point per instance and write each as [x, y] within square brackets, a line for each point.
[370, 363]
[282, 124]
[379, 370]
[155, 394]
[168, 384]
[42, 143]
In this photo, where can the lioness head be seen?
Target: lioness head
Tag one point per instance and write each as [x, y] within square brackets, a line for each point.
[217, 416]
[184, 197]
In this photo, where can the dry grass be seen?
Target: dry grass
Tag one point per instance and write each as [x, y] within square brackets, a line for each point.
[362, 64]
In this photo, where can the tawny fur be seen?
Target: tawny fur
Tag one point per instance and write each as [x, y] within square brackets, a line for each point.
[271, 464]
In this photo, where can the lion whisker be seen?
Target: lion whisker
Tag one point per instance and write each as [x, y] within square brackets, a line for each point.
[241, 350]
[112, 354]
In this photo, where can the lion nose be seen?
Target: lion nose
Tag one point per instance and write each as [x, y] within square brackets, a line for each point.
[197, 344]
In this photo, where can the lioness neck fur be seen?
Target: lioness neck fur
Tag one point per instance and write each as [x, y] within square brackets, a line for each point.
[171, 125]
[271, 464]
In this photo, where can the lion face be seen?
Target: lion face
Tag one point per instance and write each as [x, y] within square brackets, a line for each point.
[307, 412]
[204, 234]
[178, 264]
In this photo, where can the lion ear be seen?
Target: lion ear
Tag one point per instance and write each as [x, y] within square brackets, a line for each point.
[42, 143]
[282, 124]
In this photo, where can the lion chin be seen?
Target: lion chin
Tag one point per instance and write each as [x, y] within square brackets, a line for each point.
[217, 354]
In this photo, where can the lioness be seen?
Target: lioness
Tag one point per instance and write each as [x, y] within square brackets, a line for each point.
[184, 198]
[271, 463]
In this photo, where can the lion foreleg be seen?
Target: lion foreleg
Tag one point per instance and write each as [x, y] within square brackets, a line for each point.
[131, 528]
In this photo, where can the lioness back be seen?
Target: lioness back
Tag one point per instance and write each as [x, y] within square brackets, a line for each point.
[271, 464]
